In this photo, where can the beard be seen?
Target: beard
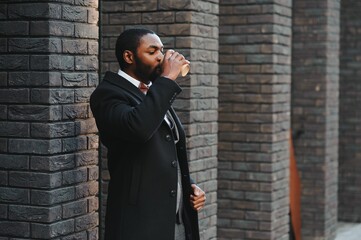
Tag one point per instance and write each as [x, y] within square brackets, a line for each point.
[146, 72]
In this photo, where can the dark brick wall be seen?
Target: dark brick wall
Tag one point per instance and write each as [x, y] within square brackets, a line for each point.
[254, 119]
[190, 27]
[350, 101]
[48, 156]
[315, 75]
[48, 139]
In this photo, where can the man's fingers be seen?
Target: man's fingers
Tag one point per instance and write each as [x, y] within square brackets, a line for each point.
[173, 55]
[196, 199]
[198, 193]
[198, 202]
[168, 54]
[199, 205]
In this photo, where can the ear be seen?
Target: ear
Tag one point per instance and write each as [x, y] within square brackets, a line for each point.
[128, 56]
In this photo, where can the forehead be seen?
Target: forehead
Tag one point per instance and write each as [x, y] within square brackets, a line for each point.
[150, 40]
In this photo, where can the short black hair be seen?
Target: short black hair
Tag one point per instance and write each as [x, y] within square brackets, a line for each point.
[129, 40]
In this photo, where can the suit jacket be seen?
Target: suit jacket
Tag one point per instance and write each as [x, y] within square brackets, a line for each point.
[142, 160]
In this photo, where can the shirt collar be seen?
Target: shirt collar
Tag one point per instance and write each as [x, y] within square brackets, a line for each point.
[132, 80]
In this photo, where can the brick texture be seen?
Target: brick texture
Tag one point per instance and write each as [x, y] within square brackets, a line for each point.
[48, 153]
[235, 105]
[315, 83]
[350, 133]
[254, 119]
[190, 27]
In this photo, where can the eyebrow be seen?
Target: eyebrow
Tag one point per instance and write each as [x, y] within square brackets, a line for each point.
[156, 47]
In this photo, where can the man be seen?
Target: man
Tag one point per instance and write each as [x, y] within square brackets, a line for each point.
[151, 195]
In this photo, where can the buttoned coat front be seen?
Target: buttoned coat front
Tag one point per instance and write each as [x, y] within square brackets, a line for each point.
[142, 160]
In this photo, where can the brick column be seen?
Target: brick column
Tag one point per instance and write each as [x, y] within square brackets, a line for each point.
[254, 119]
[48, 156]
[315, 112]
[190, 27]
[350, 118]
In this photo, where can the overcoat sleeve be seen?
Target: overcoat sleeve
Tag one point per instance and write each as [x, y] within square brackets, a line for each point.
[125, 119]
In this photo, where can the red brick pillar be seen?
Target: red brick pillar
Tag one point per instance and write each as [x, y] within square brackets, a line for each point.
[190, 27]
[315, 81]
[254, 119]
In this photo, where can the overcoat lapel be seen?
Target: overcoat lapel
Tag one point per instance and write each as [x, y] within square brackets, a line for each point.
[121, 82]
[138, 96]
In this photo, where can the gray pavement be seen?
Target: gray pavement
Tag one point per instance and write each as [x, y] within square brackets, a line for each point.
[348, 231]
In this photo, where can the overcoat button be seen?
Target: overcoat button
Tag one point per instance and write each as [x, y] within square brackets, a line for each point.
[168, 137]
[174, 164]
[173, 193]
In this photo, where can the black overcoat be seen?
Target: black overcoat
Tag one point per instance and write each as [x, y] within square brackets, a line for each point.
[142, 160]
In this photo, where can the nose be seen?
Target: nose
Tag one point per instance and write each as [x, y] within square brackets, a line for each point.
[160, 56]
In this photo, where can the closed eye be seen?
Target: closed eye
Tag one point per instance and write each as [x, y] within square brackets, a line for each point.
[155, 49]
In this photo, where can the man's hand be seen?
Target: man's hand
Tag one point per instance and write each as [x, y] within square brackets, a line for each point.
[172, 64]
[198, 198]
